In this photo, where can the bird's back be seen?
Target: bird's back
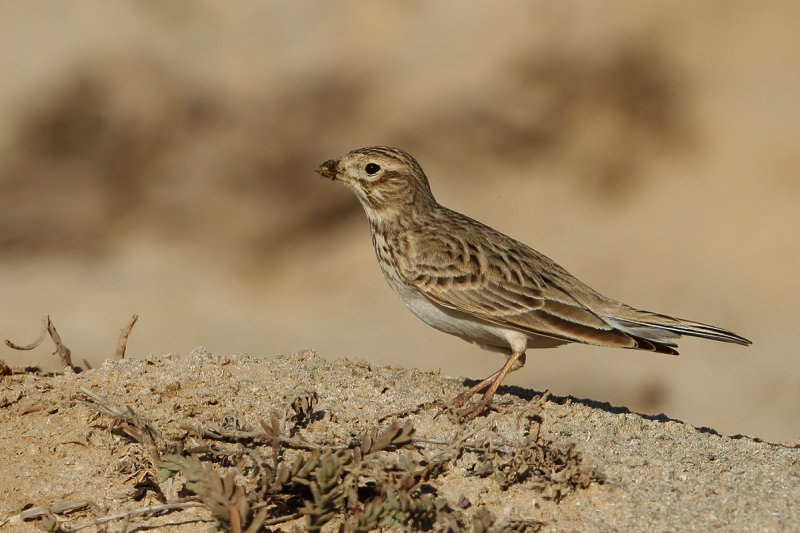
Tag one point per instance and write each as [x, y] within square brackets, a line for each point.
[467, 266]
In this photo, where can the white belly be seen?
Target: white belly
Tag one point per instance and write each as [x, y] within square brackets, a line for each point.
[487, 335]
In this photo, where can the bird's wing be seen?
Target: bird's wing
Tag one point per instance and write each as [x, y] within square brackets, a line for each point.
[511, 286]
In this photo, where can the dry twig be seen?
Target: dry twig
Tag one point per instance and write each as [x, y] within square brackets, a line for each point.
[131, 423]
[62, 351]
[122, 342]
[57, 508]
[235, 435]
[152, 509]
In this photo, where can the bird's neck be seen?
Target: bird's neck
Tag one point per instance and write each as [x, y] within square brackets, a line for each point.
[399, 218]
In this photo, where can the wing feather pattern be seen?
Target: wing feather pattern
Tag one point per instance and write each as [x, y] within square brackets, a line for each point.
[491, 276]
[497, 284]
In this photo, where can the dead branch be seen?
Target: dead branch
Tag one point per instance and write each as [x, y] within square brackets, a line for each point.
[62, 351]
[131, 423]
[122, 343]
[34, 344]
[57, 508]
[152, 509]
[238, 435]
[282, 519]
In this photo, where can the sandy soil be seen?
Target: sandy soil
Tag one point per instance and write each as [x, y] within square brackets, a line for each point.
[598, 467]
[157, 158]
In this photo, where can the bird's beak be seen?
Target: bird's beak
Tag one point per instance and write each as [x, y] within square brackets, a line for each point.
[329, 169]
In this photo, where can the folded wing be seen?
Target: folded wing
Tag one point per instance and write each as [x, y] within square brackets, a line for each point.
[505, 287]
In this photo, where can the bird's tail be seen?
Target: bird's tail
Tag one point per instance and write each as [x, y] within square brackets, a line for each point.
[660, 331]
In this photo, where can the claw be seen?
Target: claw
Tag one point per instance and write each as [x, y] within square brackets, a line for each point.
[490, 384]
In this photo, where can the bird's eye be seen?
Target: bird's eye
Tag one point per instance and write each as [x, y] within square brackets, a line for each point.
[372, 168]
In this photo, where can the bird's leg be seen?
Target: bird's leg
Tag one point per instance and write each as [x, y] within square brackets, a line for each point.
[514, 362]
[462, 398]
[519, 363]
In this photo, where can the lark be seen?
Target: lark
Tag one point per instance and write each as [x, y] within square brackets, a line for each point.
[469, 280]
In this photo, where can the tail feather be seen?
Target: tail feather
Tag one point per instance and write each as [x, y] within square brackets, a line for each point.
[662, 330]
[653, 346]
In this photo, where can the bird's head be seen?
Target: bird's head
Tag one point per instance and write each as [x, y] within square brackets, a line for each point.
[385, 180]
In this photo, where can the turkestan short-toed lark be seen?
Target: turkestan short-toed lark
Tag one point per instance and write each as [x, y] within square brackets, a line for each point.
[467, 279]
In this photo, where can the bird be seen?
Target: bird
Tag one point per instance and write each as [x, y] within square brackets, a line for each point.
[465, 278]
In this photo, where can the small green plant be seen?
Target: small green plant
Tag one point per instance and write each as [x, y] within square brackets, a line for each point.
[250, 479]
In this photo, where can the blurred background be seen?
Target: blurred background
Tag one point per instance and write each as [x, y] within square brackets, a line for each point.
[157, 158]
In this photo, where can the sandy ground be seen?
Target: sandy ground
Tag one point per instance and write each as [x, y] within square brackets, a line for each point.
[598, 467]
[157, 158]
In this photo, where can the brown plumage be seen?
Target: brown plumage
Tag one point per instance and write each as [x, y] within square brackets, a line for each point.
[468, 279]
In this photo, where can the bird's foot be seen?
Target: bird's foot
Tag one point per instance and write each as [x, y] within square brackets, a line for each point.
[464, 397]
[479, 409]
[484, 405]
[460, 400]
